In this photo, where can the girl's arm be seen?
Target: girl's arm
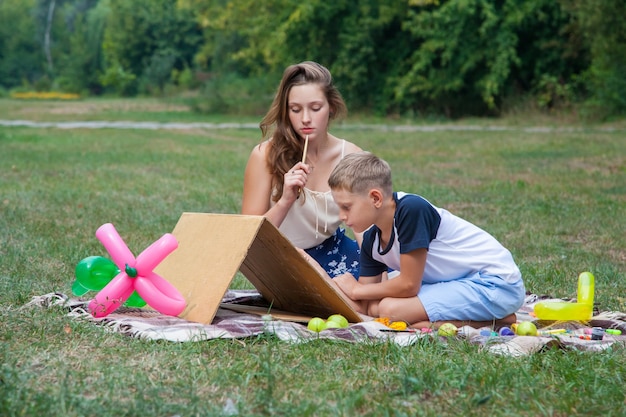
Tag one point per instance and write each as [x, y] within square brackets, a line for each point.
[257, 188]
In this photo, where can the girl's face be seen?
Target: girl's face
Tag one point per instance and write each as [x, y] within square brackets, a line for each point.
[309, 110]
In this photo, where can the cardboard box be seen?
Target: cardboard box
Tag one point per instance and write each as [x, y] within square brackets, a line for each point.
[214, 247]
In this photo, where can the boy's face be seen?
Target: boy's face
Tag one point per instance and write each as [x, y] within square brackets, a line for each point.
[357, 211]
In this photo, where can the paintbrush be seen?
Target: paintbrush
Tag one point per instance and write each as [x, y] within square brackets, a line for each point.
[306, 145]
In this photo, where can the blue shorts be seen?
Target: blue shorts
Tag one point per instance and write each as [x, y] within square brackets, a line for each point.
[338, 254]
[476, 298]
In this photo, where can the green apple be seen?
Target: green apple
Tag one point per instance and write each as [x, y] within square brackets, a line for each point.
[316, 324]
[338, 318]
[332, 325]
[447, 330]
[526, 328]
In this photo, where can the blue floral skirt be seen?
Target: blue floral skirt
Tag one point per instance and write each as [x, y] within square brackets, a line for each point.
[338, 254]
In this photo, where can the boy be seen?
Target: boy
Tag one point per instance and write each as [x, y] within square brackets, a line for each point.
[449, 270]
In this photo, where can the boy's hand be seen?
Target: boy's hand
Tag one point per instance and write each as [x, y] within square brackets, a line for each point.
[347, 283]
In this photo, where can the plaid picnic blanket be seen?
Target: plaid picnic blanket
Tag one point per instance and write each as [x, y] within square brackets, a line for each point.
[151, 325]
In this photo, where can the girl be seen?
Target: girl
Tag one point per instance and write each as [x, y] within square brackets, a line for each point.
[286, 177]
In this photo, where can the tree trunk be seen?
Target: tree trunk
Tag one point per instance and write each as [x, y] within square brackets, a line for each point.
[47, 36]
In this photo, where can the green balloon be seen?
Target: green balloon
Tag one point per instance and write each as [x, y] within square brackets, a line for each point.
[94, 273]
[78, 289]
[135, 300]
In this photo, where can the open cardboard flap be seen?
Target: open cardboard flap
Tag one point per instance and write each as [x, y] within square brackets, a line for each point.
[212, 248]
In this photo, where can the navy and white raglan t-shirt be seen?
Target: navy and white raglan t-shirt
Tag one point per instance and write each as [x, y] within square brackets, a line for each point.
[456, 248]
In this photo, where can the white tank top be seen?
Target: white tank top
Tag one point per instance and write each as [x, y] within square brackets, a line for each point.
[313, 219]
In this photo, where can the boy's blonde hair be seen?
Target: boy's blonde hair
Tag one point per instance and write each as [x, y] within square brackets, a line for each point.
[360, 172]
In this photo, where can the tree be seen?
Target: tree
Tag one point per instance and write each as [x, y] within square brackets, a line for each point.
[360, 42]
[145, 40]
[81, 64]
[463, 56]
[20, 55]
[603, 29]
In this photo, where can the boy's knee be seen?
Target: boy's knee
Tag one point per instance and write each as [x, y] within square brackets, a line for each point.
[386, 308]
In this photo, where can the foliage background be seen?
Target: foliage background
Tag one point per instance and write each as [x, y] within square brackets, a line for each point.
[406, 57]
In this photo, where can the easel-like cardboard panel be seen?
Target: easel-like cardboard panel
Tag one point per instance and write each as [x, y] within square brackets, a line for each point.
[210, 251]
[288, 281]
[213, 247]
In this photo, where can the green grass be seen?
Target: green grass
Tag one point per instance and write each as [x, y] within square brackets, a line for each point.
[556, 200]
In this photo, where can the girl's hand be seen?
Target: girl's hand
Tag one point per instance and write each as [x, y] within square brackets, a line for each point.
[294, 180]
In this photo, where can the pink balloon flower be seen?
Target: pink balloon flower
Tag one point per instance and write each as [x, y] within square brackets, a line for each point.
[136, 275]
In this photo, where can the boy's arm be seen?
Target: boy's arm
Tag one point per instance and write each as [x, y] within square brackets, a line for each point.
[346, 283]
[407, 284]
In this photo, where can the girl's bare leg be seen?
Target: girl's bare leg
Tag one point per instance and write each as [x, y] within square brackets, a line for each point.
[358, 306]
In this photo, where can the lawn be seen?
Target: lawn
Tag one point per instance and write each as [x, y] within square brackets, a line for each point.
[555, 197]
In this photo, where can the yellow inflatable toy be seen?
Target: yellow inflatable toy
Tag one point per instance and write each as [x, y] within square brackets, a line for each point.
[562, 310]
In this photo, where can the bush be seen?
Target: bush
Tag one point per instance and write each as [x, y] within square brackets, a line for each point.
[552, 92]
[159, 71]
[234, 94]
[122, 81]
[184, 78]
